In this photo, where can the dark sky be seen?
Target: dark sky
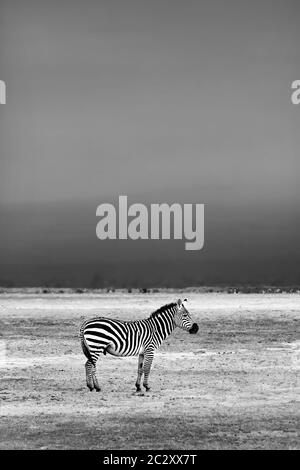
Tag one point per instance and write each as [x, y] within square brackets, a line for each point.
[164, 101]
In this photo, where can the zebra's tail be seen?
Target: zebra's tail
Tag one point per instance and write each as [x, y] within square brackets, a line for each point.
[84, 345]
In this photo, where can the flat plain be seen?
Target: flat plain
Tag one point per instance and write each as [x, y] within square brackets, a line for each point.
[234, 385]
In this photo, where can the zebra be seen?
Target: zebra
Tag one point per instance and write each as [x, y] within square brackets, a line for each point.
[132, 338]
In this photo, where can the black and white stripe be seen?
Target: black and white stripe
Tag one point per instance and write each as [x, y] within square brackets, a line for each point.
[131, 338]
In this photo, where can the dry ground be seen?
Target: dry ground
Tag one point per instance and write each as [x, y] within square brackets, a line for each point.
[234, 385]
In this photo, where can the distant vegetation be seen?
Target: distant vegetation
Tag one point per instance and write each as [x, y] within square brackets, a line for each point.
[247, 289]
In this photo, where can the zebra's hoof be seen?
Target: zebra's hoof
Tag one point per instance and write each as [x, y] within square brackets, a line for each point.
[98, 389]
[147, 388]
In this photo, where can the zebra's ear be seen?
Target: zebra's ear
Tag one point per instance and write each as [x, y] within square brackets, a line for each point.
[179, 302]
[184, 302]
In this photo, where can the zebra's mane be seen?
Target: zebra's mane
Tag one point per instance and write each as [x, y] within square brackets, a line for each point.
[162, 309]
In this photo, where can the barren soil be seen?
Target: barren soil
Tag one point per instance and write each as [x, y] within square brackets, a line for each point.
[234, 385]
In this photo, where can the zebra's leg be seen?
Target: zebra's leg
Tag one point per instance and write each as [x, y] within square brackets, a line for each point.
[140, 372]
[147, 367]
[89, 367]
[95, 380]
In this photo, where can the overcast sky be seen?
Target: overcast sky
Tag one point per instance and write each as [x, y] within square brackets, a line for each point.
[165, 101]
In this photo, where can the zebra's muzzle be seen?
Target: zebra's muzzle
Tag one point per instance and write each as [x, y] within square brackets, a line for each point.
[194, 329]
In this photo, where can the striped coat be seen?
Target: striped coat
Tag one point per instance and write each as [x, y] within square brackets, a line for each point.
[131, 338]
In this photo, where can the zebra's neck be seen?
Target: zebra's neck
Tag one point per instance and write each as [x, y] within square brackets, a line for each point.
[163, 323]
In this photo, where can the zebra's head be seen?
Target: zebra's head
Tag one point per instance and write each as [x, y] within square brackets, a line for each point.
[183, 318]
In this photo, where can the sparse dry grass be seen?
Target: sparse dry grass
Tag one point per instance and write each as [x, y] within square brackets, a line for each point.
[233, 385]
